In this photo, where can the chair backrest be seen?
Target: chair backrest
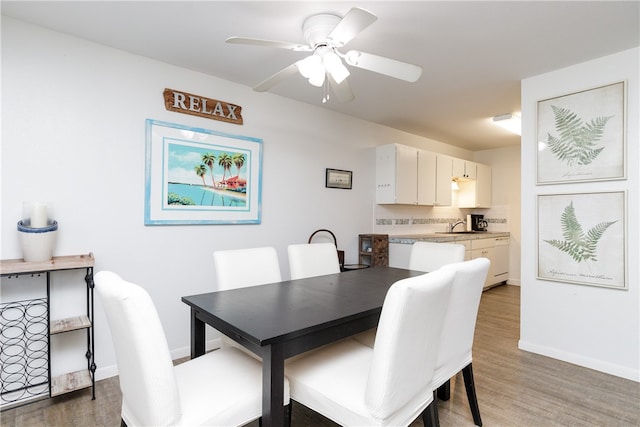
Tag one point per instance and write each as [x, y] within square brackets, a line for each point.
[313, 259]
[238, 268]
[430, 256]
[406, 345]
[146, 374]
[460, 320]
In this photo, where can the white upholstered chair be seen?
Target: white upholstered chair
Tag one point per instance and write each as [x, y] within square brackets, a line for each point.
[223, 387]
[312, 259]
[238, 268]
[390, 384]
[430, 256]
[459, 328]
[425, 256]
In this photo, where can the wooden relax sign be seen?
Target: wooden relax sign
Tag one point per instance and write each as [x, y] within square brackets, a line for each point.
[195, 105]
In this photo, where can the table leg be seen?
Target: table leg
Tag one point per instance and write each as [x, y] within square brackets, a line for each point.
[273, 386]
[197, 335]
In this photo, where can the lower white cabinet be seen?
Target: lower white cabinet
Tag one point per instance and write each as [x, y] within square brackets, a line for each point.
[496, 249]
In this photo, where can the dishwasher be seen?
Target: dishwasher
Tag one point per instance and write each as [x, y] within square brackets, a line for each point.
[500, 259]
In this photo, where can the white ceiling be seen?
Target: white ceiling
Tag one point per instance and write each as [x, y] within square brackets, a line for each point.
[473, 53]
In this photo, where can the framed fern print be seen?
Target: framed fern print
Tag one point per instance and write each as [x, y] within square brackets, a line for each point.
[581, 238]
[581, 136]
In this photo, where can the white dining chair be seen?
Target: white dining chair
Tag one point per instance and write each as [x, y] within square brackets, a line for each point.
[425, 256]
[222, 388]
[459, 328]
[390, 384]
[312, 259]
[239, 268]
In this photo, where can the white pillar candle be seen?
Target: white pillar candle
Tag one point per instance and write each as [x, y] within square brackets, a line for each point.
[39, 215]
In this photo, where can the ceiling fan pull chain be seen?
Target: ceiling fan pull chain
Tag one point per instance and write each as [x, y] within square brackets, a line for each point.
[325, 88]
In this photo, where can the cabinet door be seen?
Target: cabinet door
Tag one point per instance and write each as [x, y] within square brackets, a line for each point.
[406, 175]
[426, 178]
[396, 174]
[463, 169]
[485, 253]
[444, 173]
[483, 186]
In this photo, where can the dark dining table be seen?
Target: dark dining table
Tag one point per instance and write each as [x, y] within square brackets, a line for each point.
[283, 319]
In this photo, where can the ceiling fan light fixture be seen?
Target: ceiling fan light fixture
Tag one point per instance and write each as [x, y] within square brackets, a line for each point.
[317, 79]
[510, 122]
[309, 66]
[335, 67]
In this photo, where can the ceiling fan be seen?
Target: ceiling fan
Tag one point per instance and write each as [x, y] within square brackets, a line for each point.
[325, 33]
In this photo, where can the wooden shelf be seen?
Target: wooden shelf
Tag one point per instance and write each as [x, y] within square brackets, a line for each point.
[70, 382]
[69, 324]
[70, 262]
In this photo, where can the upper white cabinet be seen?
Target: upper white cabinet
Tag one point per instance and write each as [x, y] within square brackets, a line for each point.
[410, 176]
[407, 175]
[476, 193]
[396, 174]
[464, 169]
[444, 165]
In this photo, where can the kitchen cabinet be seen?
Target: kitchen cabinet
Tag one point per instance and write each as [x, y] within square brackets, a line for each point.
[464, 169]
[434, 179]
[444, 168]
[497, 251]
[374, 249]
[476, 193]
[495, 248]
[407, 175]
[27, 336]
[396, 174]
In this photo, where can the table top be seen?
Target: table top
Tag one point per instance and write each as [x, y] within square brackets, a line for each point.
[282, 311]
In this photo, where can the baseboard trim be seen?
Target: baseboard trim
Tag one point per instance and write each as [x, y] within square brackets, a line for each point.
[577, 359]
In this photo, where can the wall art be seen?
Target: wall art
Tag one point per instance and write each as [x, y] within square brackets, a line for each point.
[336, 178]
[200, 176]
[581, 136]
[581, 238]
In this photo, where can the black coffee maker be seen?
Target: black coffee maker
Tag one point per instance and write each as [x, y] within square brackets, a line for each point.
[478, 223]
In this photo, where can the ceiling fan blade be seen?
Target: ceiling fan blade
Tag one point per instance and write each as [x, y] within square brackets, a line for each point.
[355, 21]
[269, 43]
[342, 91]
[276, 78]
[379, 64]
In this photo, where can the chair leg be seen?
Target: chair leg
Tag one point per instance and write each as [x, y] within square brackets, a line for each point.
[444, 391]
[467, 373]
[287, 415]
[430, 413]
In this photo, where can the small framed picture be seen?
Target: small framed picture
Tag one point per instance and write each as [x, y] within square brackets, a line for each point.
[336, 178]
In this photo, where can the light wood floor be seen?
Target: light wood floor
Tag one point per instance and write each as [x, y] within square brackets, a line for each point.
[514, 388]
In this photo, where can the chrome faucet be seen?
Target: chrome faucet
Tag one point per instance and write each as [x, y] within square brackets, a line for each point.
[452, 226]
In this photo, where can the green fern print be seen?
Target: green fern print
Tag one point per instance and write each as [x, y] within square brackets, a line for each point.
[579, 246]
[576, 143]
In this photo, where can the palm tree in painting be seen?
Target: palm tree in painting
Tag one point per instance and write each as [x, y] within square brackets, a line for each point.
[209, 160]
[225, 161]
[201, 170]
[238, 160]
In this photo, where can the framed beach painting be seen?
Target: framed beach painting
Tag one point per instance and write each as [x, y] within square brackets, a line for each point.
[200, 176]
[581, 238]
[581, 136]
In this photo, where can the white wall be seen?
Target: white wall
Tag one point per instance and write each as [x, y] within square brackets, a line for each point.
[590, 326]
[73, 132]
